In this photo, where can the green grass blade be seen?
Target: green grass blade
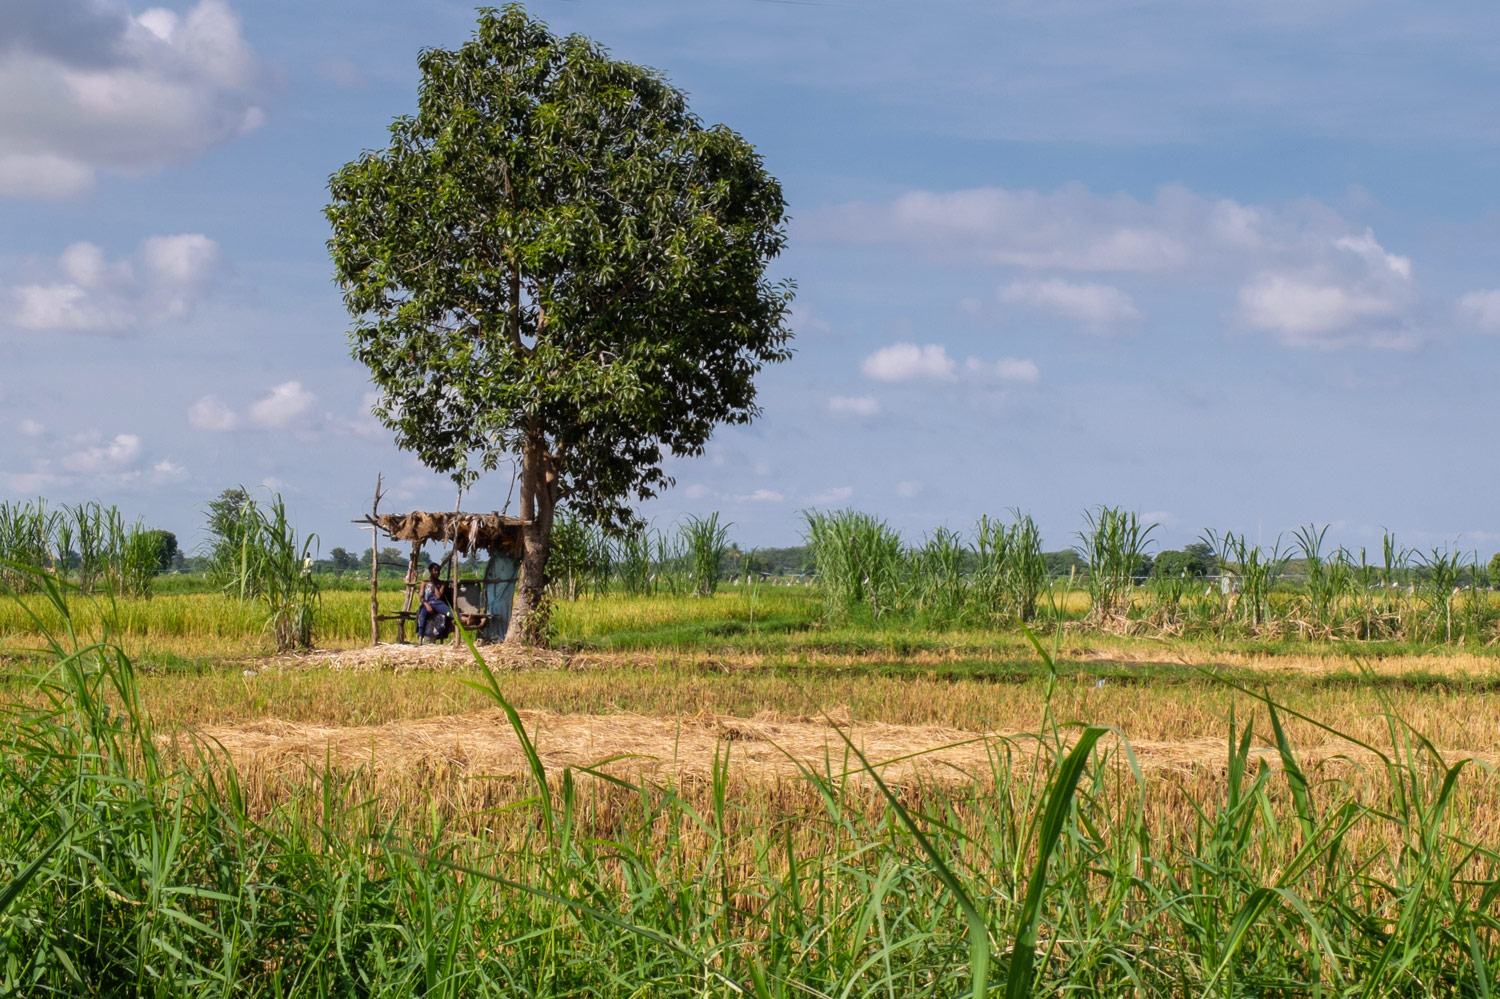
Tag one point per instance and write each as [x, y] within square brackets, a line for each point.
[1295, 777]
[1059, 804]
[979, 943]
[10, 892]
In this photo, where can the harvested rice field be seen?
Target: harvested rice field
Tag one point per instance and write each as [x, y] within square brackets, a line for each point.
[345, 696]
[765, 746]
[932, 701]
[687, 781]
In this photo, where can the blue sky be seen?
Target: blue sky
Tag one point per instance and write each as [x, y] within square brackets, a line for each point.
[1231, 265]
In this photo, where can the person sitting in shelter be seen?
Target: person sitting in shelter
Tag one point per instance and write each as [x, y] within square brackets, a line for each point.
[434, 617]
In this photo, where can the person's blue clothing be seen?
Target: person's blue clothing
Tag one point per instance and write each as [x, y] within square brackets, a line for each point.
[439, 617]
[432, 609]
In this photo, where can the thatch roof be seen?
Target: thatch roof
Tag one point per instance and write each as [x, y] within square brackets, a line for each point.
[491, 531]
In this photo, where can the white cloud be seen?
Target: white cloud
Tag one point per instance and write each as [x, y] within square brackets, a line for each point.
[90, 461]
[1076, 229]
[281, 408]
[31, 428]
[89, 86]
[908, 489]
[1007, 369]
[177, 267]
[208, 413]
[166, 472]
[66, 307]
[1303, 273]
[763, 496]
[160, 22]
[906, 362]
[180, 260]
[363, 424]
[1068, 229]
[1349, 291]
[902, 362]
[1481, 309]
[114, 456]
[43, 176]
[859, 405]
[84, 265]
[1098, 307]
[162, 280]
[836, 495]
[695, 491]
[1299, 308]
[1310, 313]
[1372, 252]
[804, 321]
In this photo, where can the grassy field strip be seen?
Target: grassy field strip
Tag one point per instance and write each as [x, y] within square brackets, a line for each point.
[482, 744]
[1150, 659]
[1468, 722]
[641, 746]
[187, 629]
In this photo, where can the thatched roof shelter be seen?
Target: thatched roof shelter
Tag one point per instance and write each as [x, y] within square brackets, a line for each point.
[494, 532]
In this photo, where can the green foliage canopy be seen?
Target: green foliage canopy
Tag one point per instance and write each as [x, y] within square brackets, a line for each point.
[1197, 559]
[554, 258]
[230, 518]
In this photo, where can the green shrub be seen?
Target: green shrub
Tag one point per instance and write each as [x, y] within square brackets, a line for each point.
[860, 562]
[258, 558]
[706, 543]
[1011, 571]
[1113, 545]
[1195, 561]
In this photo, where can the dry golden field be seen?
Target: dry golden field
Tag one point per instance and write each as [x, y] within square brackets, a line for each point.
[670, 680]
[775, 767]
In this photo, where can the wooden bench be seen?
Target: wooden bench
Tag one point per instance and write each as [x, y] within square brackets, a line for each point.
[401, 617]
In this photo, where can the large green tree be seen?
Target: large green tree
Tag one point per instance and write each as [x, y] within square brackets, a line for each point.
[555, 262]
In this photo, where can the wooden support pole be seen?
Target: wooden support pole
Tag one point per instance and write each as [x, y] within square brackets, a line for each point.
[412, 583]
[453, 533]
[375, 564]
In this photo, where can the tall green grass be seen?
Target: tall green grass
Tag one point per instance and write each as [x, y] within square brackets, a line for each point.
[88, 543]
[580, 560]
[130, 868]
[261, 560]
[991, 577]
[1010, 572]
[938, 580]
[705, 542]
[997, 575]
[1249, 575]
[632, 557]
[860, 562]
[1113, 545]
[27, 531]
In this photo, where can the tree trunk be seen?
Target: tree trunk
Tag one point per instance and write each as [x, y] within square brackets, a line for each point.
[539, 493]
[375, 564]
